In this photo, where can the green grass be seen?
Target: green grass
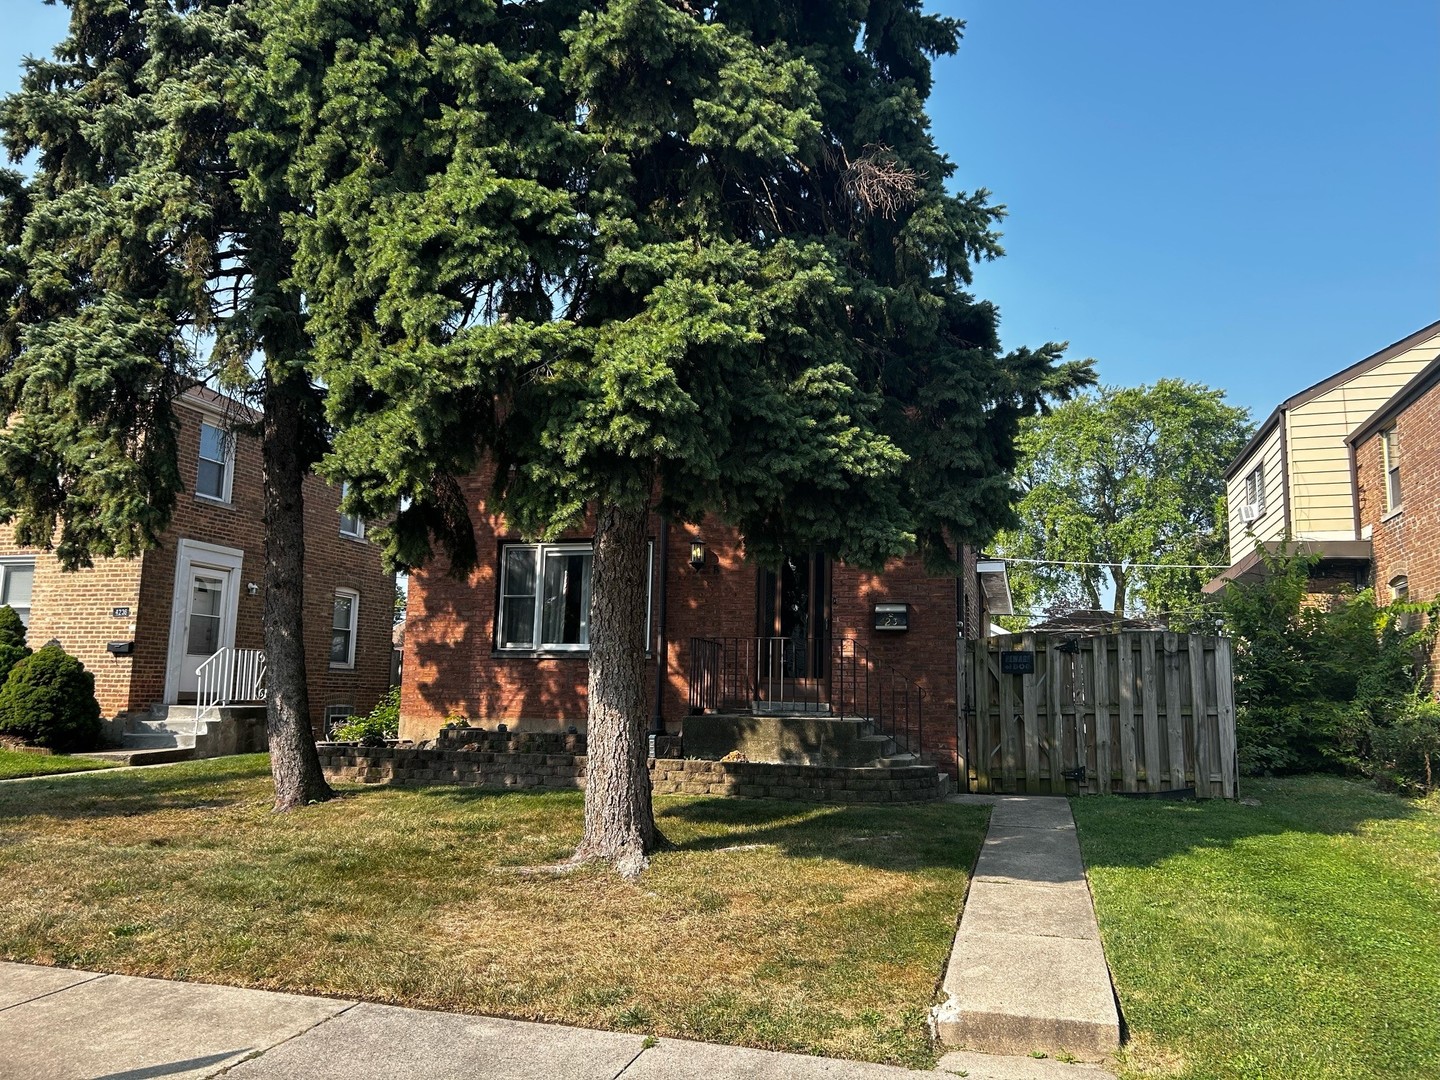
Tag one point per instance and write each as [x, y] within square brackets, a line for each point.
[17, 763]
[1299, 938]
[815, 929]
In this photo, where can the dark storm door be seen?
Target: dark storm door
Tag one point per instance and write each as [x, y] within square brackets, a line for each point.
[794, 615]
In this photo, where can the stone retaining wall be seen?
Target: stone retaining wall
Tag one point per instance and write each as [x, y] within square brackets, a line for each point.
[410, 766]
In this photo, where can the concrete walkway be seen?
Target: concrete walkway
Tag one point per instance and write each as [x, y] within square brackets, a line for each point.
[1027, 971]
[79, 1025]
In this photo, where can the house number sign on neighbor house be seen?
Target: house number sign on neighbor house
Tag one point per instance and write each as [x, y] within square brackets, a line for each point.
[120, 613]
[1017, 662]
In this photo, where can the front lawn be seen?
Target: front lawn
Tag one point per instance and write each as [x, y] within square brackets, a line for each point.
[816, 929]
[16, 763]
[1298, 938]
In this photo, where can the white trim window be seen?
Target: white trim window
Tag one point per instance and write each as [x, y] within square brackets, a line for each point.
[1390, 454]
[545, 597]
[1255, 490]
[344, 620]
[17, 580]
[350, 524]
[215, 469]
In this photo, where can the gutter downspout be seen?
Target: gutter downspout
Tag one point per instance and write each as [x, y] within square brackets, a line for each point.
[657, 723]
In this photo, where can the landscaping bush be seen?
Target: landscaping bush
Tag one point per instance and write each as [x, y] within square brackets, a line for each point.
[1322, 688]
[49, 700]
[382, 722]
[12, 641]
[1405, 754]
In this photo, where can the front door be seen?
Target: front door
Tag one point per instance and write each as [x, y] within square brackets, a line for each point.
[794, 616]
[209, 623]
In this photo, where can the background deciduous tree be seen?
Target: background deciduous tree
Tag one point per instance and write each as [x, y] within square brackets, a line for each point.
[132, 271]
[1121, 478]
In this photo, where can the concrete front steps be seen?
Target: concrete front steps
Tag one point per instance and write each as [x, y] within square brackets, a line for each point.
[1027, 972]
[173, 733]
[794, 735]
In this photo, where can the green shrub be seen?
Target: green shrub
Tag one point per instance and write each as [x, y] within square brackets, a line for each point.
[1405, 753]
[1314, 685]
[49, 700]
[12, 641]
[382, 722]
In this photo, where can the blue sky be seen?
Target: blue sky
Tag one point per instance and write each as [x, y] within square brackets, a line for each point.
[1242, 194]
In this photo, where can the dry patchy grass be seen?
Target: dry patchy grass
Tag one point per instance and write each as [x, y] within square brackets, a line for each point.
[20, 763]
[806, 928]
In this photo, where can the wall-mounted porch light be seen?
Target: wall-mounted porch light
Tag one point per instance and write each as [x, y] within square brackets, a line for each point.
[697, 554]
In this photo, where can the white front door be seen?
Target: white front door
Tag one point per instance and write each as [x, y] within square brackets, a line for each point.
[202, 622]
[206, 622]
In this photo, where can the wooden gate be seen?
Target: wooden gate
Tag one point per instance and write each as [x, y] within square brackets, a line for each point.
[1139, 711]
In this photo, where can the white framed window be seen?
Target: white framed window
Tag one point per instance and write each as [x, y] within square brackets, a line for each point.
[545, 597]
[1390, 461]
[343, 621]
[1255, 491]
[336, 715]
[350, 524]
[215, 469]
[17, 578]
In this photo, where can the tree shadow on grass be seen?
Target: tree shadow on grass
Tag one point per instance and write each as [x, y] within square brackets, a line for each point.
[1122, 832]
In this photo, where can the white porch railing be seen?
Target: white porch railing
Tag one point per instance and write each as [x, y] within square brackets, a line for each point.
[230, 677]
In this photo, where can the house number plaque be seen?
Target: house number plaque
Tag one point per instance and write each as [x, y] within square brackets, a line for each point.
[119, 612]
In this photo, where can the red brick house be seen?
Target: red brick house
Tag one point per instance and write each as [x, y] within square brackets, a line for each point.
[154, 629]
[1395, 457]
[508, 644]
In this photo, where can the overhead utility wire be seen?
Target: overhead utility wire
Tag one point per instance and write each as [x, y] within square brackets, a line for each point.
[1127, 566]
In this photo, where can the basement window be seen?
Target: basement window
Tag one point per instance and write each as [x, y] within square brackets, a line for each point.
[545, 597]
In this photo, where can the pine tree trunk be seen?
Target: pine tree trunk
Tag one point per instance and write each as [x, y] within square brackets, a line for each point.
[619, 820]
[293, 761]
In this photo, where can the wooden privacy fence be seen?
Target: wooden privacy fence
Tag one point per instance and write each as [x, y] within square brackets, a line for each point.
[1139, 711]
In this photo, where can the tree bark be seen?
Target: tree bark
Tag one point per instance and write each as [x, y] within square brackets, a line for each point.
[294, 764]
[1121, 582]
[619, 818]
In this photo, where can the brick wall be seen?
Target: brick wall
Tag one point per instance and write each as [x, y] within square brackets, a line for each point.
[453, 669]
[1406, 542]
[76, 607]
[406, 766]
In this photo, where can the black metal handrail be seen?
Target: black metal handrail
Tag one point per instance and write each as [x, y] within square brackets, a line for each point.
[741, 673]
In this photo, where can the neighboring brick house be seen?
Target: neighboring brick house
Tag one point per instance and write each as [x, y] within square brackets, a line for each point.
[1293, 485]
[144, 626]
[1396, 459]
[508, 644]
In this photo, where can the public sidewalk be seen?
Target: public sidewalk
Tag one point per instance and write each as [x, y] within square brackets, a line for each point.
[60, 1024]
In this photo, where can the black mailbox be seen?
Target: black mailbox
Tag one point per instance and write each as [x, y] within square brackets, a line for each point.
[892, 616]
[120, 648]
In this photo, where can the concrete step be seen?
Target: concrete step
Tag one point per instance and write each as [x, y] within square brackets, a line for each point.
[977, 1066]
[899, 761]
[157, 740]
[790, 708]
[165, 727]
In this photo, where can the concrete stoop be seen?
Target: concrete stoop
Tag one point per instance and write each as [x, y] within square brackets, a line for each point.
[1027, 971]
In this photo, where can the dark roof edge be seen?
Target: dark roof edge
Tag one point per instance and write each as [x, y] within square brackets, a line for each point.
[1341, 377]
[1426, 378]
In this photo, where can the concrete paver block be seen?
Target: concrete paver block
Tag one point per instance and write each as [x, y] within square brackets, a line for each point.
[24, 982]
[1003, 907]
[976, 1066]
[381, 1042]
[116, 1025]
[1030, 856]
[676, 1059]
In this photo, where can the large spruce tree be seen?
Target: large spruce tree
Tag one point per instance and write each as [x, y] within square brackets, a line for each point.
[644, 254]
[133, 270]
